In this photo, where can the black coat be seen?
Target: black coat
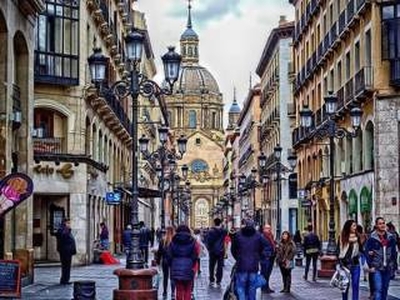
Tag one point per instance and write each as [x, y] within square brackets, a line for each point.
[65, 242]
[127, 238]
[182, 256]
[247, 249]
[215, 241]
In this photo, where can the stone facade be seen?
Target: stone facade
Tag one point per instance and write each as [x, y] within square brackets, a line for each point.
[17, 40]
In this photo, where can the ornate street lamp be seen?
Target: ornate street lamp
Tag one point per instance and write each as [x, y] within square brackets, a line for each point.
[133, 86]
[330, 129]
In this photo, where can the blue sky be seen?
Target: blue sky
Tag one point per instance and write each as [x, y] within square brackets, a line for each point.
[232, 35]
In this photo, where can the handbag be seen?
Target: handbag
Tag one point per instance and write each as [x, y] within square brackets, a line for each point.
[260, 281]
[341, 278]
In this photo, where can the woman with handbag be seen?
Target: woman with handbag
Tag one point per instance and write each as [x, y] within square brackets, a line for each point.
[285, 254]
[349, 256]
[162, 260]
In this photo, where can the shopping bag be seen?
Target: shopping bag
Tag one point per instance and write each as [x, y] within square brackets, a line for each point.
[341, 278]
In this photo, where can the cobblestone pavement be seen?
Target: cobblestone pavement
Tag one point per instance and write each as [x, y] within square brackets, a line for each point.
[46, 285]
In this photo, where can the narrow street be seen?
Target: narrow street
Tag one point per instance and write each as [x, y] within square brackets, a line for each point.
[46, 285]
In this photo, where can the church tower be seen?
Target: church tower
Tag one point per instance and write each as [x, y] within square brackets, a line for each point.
[195, 109]
[234, 113]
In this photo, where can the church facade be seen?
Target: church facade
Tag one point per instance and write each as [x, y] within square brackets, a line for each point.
[195, 110]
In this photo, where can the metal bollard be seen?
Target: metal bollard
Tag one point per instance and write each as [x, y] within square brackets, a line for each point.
[84, 290]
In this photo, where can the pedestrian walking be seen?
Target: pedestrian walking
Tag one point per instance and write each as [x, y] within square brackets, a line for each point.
[144, 240]
[127, 238]
[203, 249]
[152, 237]
[363, 261]
[162, 260]
[312, 249]
[216, 251]
[381, 254]
[159, 234]
[104, 236]
[285, 255]
[392, 229]
[268, 258]
[182, 255]
[350, 249]
[247, 249]
[66, 247]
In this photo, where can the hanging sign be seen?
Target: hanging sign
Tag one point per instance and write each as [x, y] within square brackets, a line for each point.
[14, 189]
[113, 198]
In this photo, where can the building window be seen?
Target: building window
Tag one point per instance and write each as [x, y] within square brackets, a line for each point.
[357, 57]
[192, 119]
[214, 120]
[348, 66]
[198, 142]
[368, 49]
[198, 166]
[57, 43]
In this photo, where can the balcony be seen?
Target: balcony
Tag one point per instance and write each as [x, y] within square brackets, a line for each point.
[363, 82]
[340, 96]
[361, 5]
[395, 73]
[342, 23]
[350, 9]
[327, 43]
[334, 35]
[49, 146]
[349, 92]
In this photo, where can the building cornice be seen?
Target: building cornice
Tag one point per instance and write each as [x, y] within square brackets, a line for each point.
[282, 31]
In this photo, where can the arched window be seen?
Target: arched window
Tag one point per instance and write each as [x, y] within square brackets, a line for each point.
[198, 165]
[192, 119]
[190, 51]
[369, 146]
[202, 211]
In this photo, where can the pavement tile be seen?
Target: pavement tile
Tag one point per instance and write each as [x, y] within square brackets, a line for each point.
[46, 285]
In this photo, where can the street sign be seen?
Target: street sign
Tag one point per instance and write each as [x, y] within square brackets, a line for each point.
[305, 203]
[113, 198]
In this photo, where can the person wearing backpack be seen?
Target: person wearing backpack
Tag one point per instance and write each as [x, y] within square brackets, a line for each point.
[312, 248]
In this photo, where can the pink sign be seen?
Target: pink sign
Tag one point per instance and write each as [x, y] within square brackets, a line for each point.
[14, 189]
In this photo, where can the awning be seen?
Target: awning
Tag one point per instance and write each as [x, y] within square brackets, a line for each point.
[353, 199]
[365, 200]
[144, 192]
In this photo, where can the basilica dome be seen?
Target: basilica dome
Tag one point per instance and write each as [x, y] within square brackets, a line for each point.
[197, 80]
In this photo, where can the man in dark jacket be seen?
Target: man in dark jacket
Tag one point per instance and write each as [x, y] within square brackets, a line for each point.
[216, 251]
[247, 248]
[381, 255]
[144, 240]
[127, 238]
[312, 248]
[66, 247]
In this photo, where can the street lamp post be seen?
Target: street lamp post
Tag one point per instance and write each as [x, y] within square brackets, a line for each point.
[163, 157]
[331, 130]
[133, 86]
[277, 167]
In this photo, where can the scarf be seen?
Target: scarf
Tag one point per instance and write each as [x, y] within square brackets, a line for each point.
[344, 248]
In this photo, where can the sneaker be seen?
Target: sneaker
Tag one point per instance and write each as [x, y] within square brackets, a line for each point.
[211, 283]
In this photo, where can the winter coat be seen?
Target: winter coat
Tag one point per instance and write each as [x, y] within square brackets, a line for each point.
[144, 237]
[247, 249]
[65, 242]
[162, 253]
[104, 233]
[374, 251]
[127, 238]
[311, 244]
[182, 256]
[285, 253]
[215, 241]
[268, 252]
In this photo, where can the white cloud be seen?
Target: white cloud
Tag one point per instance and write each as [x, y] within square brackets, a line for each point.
[232, 35]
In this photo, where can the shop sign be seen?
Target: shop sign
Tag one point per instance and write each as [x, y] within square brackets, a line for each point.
[113, 198]
[14, 189]
[66, 171]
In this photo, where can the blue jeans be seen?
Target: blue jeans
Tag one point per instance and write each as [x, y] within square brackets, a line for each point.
[381, 279]
[245, 285]
[355, 284]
